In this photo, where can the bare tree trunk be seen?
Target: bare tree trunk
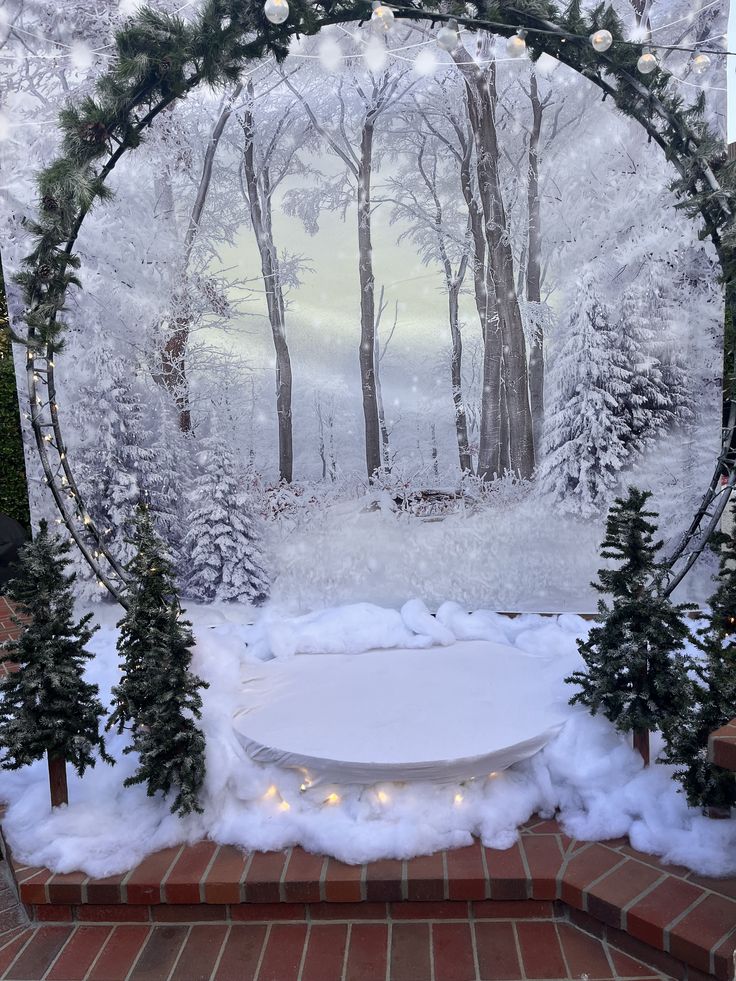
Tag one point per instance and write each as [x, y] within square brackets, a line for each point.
[57, 779]
[259, 201]
[641, 744]
[367, 304]
[435, 453]
[533, 269]
[505, 347]
[385, 444]
[456, 368]
[173, 353]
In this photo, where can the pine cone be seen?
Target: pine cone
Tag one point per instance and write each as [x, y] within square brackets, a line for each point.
[45, 272]
[49, 204]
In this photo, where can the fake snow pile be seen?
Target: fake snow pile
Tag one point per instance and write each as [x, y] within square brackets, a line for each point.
[588, 771]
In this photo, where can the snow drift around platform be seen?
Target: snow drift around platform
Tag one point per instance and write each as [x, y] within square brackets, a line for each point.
[588, 771]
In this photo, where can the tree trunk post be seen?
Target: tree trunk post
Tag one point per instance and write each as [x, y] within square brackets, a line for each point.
[641, 744]
[57, 779]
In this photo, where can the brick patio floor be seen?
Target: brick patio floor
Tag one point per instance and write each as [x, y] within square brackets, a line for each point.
[550, 907]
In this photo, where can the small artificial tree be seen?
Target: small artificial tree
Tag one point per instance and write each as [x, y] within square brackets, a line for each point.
[46, 706]
[636, 672]
[158, 695]
[714, 698]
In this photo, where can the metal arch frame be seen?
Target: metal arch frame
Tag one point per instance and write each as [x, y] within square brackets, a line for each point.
[674, 137]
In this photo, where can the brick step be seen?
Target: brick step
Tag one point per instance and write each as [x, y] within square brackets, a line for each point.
[684, 918]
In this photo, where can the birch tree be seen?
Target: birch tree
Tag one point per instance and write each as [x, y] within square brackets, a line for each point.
[361, 102]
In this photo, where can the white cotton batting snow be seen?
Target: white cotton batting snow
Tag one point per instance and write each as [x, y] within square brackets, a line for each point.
[588, 772]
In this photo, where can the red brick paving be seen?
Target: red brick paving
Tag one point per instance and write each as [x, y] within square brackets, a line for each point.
[558, 909]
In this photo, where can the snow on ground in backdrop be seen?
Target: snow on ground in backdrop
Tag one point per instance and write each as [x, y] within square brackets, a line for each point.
[588, 771]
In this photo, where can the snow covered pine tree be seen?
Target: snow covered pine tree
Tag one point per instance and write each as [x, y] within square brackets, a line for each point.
[46, 707]
[713, 700]
[157, 693]
[222, 545]
[585, 436]
[636, 672]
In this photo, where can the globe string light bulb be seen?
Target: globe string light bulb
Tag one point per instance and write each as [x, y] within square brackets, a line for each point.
[647, 63]
[601, 40]
[516, 45]
[701, 64]
[382, 18]
[276, 11]
[448, 37]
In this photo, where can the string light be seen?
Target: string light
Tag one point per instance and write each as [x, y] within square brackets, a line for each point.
[270, 793]
[332, 799]
[383, 797]
[647, 63]
[601, 40]
[516, 45]
[284, 806]
[382, 18]
[276, 11]
[459, 798]
[701, 64]
[448, 37]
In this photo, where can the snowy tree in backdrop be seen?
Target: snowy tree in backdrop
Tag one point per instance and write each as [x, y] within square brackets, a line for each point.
[585, 441]
[222, 545]
[636, 672]
[114, 457]
[713, 698]
[158, 696]
[46, 707]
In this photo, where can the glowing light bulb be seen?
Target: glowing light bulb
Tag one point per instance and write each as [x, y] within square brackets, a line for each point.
[332, 799]
[270, 793]
[459, 798]
[448, 37]
[701, 64]
[383, 797]
[276, 11]
[516, 45]
[647, 63]
[304, 786]
[601, 40]
[382, 18]
[492, 775]
[284, 806]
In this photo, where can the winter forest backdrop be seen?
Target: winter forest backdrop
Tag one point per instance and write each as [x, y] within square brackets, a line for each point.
[294, 287]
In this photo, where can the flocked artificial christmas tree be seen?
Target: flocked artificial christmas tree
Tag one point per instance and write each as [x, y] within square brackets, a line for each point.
[713, 701]
[222, 544]
[46, 706]
[636, 672]
[158, 696]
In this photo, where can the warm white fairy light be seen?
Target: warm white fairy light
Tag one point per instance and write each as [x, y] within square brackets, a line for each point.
[383, 797]
[332, 799]
[271, 792]
[701, 64]
[601, 40]
[448, 37]
[516, 45]
[284, 805]
[382, 18]
[647, 63]
[459, 798]
[276, 11]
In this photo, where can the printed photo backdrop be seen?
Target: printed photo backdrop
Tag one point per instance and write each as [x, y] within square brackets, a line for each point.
[297, 287]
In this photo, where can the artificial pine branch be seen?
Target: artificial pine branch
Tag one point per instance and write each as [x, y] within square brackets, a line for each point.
[158, 696]
[46, 706]
[637, 675]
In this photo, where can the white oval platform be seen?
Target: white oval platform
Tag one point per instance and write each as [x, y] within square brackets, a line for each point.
[444, 713]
